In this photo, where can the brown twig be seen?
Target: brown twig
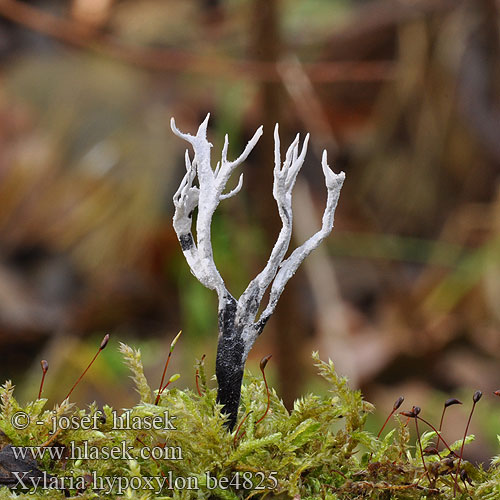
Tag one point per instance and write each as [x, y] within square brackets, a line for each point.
[51, 439]
[83, 36]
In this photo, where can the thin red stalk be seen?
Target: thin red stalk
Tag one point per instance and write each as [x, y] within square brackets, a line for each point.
[396, 406]
[263, 363]
[45, 367]
[160, 390]
[166, 385]
[385, 423]
[436, 431]
[236, 437]
[448, 402]
[41, 385]
[197, 380]
[163, 378]
[420, 446]
[440, 426]
[476, 398]
[104, 343]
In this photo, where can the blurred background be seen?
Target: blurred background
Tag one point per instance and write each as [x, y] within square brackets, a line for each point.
[404, 95]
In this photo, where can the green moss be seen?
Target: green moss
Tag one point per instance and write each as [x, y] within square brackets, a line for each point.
[318, 450]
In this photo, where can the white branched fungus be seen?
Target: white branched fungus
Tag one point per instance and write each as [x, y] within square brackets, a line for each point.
[239, 326]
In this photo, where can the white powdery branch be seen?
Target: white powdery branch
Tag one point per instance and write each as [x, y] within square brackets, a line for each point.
[207, 196]
[288, 267]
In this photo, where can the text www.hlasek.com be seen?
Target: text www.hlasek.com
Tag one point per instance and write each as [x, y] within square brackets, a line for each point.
[90, 452]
